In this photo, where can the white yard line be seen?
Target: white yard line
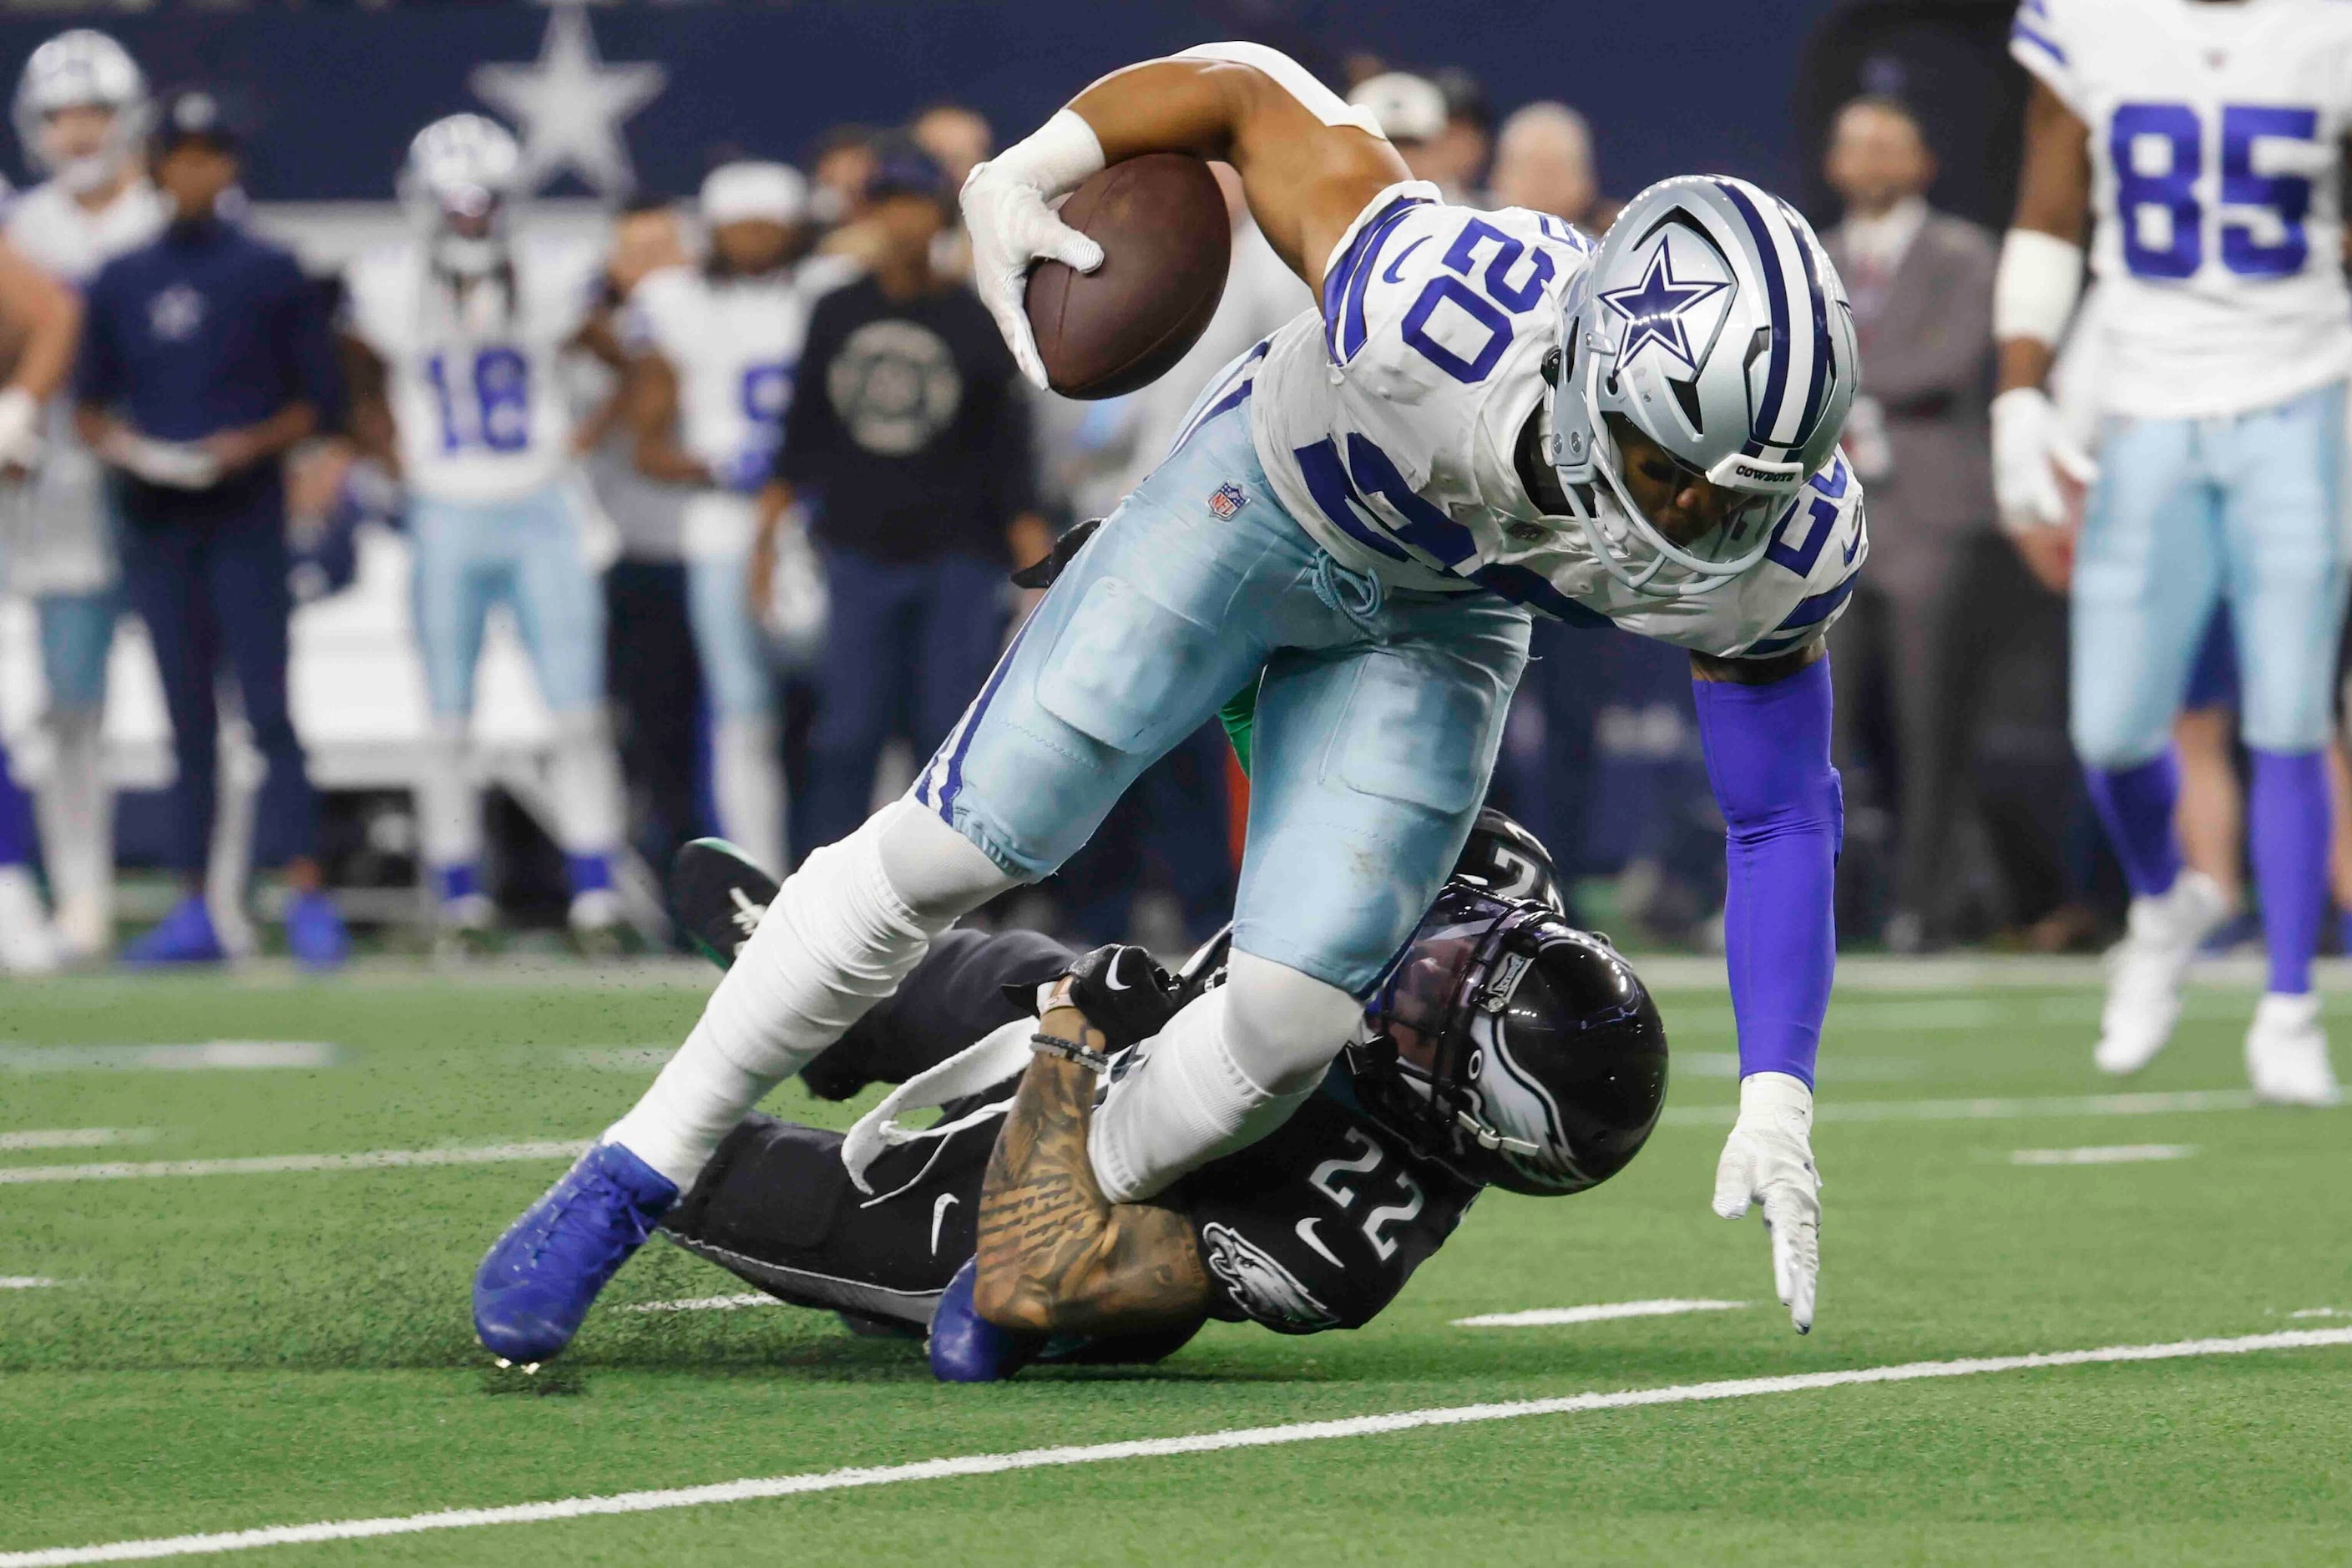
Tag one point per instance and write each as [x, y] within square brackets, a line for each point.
[1989, 1109]
[74, 1137]
[2104, 1155]
[1143, 1449]
[38, 1283]
[202, 1057]
[706, 1303]
[1600, 1313]
[282, 1165]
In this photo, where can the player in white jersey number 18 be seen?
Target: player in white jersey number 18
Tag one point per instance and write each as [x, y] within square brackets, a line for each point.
[1487, 417]
[2201, 146]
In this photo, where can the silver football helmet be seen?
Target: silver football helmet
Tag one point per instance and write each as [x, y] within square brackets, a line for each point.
[462, 175]
[83, 68]
[1712, 322]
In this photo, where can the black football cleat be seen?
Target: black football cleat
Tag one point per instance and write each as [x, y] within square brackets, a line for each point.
[720, 895]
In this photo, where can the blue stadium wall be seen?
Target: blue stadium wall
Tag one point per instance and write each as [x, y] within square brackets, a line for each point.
[335, 94]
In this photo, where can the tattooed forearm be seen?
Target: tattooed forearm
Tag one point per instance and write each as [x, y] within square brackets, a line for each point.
[1054, 1254]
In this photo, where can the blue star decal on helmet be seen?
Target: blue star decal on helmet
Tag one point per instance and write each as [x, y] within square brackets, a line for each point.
[1654, 309]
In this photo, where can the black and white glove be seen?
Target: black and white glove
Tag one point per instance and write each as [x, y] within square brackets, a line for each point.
[1121, 990]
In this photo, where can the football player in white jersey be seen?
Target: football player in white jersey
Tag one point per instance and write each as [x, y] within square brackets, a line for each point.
[81, 114]
[718, 346]
[2198, 144]
[1486, 416]
[457, 337]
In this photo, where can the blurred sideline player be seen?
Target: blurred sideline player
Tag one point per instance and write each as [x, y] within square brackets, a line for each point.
[81, 114]
[1488, 416]
[2204, 140]
[715, 349]
[455, 338]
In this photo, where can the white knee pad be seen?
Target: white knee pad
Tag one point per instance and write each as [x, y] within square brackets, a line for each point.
[747, 776]
[584, 791]
[1227, 1070]
[935, 869]
[449, 803]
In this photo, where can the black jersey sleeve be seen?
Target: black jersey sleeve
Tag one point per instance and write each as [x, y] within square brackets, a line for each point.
[1320, 1225]
[954, 997]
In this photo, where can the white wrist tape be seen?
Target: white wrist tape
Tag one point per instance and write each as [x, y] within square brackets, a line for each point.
[1055, 158]
[2034, 292]
[1293, 78]
[1765, 1092]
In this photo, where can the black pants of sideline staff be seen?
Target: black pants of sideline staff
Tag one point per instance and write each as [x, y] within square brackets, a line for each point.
[208, 576]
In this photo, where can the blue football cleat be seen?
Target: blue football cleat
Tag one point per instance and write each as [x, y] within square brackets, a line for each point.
[966, 1347]
[185, 935]
[538, 1279]
[314, 931]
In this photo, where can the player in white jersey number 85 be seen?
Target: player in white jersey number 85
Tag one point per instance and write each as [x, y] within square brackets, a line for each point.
[1486, 418]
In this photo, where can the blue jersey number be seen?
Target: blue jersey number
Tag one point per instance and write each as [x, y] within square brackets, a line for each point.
[496, 415]
[2176, 130]
[1502, 298]
[767, 388]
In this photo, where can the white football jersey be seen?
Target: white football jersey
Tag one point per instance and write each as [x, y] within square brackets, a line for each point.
[473, 376]
[2215, 138]
[735, 344]
[1387, 424]
[70, 242]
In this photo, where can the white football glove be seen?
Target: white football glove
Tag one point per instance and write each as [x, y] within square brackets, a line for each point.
[1769, 1160]
[2030, 448]
[20, 428]
[1013, 229]
[174, 465]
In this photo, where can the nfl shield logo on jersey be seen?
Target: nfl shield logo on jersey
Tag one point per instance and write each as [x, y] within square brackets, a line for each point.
[1228, 499]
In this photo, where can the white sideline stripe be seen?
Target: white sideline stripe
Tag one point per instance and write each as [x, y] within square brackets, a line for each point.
[280, 1164]
[1989, 1109]
[74, 1137]
[205, 1054]
[1141, 1448]
[2321, 1312]
[2104, 1155]
[706, 1303]
[36, 1282]
[1602, 1312]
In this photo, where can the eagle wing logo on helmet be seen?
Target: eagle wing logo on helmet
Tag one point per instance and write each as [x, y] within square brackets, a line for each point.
[1658, 310]
[1263, 1288]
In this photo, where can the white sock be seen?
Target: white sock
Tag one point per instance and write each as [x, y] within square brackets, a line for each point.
[448, 806]
[1194, 1098]
[747, 777]
[837, 938]
[76, 806]
[584, 789]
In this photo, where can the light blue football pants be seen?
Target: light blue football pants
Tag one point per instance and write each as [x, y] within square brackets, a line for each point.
[527, 553]
[2188, 513]
[1378, 721]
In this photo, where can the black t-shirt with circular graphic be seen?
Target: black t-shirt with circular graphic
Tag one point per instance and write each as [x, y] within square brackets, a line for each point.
[909, 427]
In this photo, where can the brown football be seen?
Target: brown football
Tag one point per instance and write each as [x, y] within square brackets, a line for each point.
[1161, 220]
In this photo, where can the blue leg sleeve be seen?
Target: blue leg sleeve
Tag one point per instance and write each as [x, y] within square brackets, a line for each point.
[1768, 756]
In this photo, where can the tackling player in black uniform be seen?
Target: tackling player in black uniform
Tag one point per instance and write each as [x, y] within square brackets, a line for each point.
[1506, 1048]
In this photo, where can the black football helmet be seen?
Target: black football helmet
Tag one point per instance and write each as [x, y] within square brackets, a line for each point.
[1511, 1047]
[1511, 861]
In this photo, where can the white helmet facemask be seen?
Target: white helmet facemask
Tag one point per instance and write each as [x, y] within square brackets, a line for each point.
[82, 69]
[458, 184]
[1711, 323]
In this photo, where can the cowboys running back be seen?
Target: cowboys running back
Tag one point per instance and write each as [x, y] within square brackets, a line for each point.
[81, 113]
[458, 333]
[2202, 145]
[1486, 417]
[1543, 1029]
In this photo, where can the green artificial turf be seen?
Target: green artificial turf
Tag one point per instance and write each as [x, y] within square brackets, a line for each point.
[225, 1353]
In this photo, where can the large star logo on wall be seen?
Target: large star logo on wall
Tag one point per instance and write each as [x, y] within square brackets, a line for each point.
[1654, 309]
[571, 104]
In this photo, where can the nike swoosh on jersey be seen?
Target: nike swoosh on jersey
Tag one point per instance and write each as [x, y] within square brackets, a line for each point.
[1390, 274]
[1307, 1233]
[939, 1215]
